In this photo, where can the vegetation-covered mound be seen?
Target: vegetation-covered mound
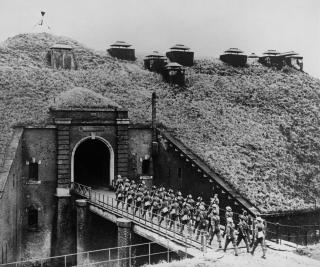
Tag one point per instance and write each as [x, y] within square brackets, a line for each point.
[79, 97]
[255, 126]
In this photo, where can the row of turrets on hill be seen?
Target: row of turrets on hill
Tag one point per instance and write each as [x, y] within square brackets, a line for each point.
[61, 56]
[270, 58]
[172, 65]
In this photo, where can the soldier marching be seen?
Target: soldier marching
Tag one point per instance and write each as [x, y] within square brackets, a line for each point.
[173, 210]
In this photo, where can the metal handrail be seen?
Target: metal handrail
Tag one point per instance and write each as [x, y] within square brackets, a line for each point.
[42, 261]
[94, 198]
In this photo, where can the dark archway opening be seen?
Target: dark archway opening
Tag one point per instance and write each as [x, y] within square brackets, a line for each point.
[92, 163]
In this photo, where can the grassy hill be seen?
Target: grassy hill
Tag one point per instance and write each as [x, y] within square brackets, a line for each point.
[256, 126]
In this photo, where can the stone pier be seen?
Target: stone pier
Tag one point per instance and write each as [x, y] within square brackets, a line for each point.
[124, 239]
[82, 226]
[63, 240]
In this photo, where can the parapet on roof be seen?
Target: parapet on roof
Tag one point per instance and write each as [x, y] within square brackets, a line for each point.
[291, 54]
[234, 51]
[271, 52]
[253, 55]
[180, 47]
[120, 44]
[61, 46]
[155, 54]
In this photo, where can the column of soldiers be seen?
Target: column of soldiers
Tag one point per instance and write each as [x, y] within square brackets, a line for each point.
[174, 210]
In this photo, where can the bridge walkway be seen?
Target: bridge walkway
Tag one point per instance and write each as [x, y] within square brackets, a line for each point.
[104, 200]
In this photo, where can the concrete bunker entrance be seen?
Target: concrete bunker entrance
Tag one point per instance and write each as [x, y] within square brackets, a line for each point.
[92, 163]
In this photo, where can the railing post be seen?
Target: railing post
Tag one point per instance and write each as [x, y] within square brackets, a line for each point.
[277, 232]
[65, 261]
[306, 237]
[149, 253]
[266, 229]
[168, 254]
[204, 234]
[130, 255]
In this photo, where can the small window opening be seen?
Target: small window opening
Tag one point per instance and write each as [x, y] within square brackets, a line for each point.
[33, 171]
[145, 166]
[33, 218]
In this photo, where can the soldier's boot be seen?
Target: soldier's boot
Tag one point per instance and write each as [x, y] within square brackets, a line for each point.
[195, 227]
[253, 248]
[226, 243]
[182, 228]
[247, 245]
[263, 251]
[198, 234]
[235, 249]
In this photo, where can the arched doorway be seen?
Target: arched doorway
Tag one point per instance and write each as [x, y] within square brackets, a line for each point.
[93, 162]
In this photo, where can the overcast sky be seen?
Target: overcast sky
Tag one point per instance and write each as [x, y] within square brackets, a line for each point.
[207, 26]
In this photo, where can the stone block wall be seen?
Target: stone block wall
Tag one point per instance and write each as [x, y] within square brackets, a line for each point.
[174, 169]
[140, 139]
[122, 147]
[39, 144]
[11, 206]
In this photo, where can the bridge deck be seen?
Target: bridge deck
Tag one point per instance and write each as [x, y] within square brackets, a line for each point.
[103, 202]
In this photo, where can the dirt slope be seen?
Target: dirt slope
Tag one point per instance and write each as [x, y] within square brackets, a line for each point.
[255, 126]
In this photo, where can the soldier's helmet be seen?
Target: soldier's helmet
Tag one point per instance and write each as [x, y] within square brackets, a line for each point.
[189, 196]
[133, 181]
[202, 207]
[241, 217]
[179, 193]
[127, 180]
[143, 182]
[259, 219]
[228, 208]
[154, 187]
